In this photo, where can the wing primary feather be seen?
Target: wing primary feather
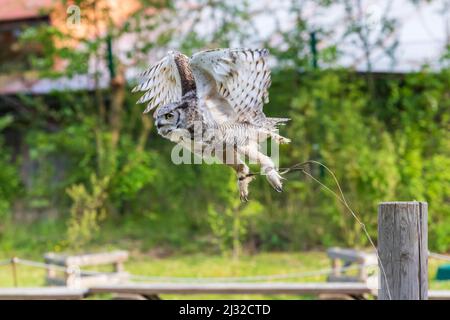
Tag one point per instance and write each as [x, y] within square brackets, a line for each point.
[161, 82]
[241, 76]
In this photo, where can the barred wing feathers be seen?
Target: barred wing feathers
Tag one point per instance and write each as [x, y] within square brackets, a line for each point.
[161, 83]
[242, 77]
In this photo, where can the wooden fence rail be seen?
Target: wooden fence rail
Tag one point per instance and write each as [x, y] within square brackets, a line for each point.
[148, 290]
[403, 252]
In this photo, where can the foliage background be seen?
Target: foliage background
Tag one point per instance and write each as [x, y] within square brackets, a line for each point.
[101, 176]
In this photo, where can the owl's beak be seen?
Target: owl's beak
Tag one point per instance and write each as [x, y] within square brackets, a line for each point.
[162, 129]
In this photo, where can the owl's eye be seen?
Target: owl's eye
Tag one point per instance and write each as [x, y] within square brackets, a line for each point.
[169, 116]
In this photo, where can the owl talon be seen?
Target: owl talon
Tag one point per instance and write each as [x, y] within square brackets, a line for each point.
[278, 189]
[274, 179]
[243, 183]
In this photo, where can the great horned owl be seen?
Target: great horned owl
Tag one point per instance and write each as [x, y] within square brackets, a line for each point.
[213, 102]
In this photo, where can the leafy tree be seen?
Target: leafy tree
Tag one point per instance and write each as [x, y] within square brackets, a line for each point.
[385, 138]
[9, 177]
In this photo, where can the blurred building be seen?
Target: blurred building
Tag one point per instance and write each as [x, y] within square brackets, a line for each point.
[14, 17]
[423, 31]
[16, 74]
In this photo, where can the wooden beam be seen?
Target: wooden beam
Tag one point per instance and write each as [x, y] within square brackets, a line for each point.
[403, 250]
[86, 259]
[42, 294]
[85, 281]
[439, 294]
[352, 255]
[46, 293]
[235, 288]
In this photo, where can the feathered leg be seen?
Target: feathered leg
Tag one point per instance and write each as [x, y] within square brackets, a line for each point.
[242, 171]
[244, 179]
[267, 166]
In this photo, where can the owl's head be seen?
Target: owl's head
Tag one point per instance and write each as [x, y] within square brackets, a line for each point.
[175, 116]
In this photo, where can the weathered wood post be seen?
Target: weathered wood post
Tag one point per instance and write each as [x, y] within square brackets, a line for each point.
[403, 250]
[14, 261]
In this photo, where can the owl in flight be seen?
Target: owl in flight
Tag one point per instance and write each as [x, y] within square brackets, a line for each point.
[212, 104]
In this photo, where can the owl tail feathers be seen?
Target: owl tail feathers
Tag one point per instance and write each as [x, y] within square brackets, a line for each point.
[272, 126]
[279, 139]
[277, 121]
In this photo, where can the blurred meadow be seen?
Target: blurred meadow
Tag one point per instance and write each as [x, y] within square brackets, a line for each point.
[366, 85]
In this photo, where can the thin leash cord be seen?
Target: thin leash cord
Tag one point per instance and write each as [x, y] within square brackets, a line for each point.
[342, 199]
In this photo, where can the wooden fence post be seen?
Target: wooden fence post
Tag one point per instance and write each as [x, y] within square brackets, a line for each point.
[403, 250]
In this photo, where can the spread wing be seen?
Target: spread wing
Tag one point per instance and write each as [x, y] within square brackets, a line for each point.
[237, 80]
[161, 82]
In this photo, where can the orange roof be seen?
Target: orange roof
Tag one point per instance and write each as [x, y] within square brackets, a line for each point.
[22, 9]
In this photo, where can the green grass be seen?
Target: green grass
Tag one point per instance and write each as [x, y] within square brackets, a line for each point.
[205, 265]
[153, 254]
[200, 265]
